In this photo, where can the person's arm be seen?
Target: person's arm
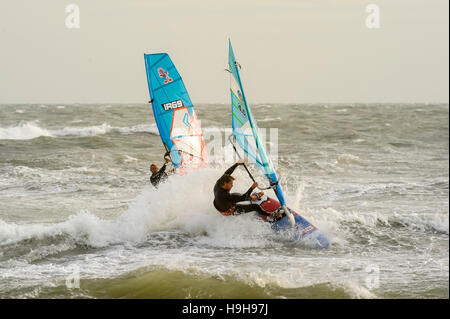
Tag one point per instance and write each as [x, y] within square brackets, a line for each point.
[231, 169]
[235, 197]
[155, 178]
[162, 170]
[247, 193]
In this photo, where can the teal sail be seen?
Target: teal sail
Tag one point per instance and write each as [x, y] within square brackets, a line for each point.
[174, 113]
[245, 129]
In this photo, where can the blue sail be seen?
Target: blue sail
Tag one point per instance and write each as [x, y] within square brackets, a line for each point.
[245, 129]
[174, 113]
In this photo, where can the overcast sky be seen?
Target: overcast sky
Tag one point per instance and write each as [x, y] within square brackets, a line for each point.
[290, 51]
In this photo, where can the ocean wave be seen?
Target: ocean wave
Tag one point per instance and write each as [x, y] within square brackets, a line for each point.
[31, 130]
[153, 211]
[105, 128]
[163, 282]
[178, 242]
[160, 282]
[332, 219]
[24, 131]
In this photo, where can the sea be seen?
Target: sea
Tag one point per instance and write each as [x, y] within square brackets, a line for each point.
[80, 219]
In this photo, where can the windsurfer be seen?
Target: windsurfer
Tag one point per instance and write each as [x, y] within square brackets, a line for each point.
[228, 203]
[159, 175]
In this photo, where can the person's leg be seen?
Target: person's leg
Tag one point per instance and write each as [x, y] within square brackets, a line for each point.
[245, 208]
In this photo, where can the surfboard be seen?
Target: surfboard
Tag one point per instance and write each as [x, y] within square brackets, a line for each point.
[174, 113]
[303, 229]
[246, 134]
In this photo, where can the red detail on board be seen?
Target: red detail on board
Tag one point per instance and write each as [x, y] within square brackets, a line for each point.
[270, 205]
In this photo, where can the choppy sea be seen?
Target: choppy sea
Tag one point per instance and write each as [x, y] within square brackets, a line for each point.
[78, 217]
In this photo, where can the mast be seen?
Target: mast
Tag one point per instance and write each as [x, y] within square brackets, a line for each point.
[263, 162]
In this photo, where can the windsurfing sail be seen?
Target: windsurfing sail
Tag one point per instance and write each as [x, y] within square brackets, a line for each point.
[174, 113]
[245, 129]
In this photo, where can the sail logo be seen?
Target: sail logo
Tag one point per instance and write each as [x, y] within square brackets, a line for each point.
[240, 94]
[164, 74]
[241, 109]
[172, 105]
[236, 99]
[186, 120]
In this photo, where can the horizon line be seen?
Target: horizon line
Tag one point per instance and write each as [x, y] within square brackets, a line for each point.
[223, 103]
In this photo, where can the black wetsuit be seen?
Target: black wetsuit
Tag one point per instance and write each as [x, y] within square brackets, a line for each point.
[159, 176]
[223, 200]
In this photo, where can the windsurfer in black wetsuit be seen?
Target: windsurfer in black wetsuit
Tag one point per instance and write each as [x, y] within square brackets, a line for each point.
[158, 175]
[227, 204]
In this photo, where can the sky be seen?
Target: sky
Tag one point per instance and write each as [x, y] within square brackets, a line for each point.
[291, 51]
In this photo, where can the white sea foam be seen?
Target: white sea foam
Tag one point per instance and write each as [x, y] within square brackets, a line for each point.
[160, 210]
[151, 211]
[24, 131]
[32, 130]
[83, 131]
[156, 210]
